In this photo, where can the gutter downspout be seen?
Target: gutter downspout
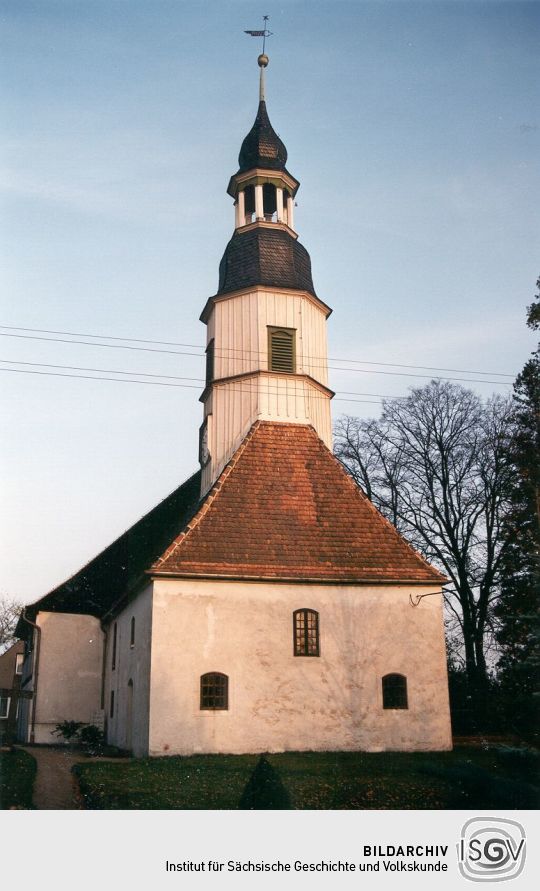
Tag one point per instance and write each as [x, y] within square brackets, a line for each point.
[35, 673]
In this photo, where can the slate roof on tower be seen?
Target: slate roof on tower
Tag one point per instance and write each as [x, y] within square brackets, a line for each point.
[264, 256]
[284, 508]
[262, 147]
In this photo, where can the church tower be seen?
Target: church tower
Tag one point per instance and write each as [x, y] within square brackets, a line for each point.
[266, 353]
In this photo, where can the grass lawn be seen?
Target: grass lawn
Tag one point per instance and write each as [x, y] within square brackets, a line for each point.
[17, 772]
[468, 777]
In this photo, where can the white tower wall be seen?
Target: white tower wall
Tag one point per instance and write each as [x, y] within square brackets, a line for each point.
[244, 389]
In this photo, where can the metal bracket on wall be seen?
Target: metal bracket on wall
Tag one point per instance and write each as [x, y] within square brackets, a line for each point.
[414, 601]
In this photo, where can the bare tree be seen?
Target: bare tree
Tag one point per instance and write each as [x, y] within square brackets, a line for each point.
[436, 464]
[10, 610]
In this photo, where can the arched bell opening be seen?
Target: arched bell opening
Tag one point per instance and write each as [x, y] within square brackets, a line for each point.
[269, 203]
[249, 204]
[265, 201]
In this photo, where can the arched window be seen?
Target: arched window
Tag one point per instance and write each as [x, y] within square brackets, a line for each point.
[306, 632]
[281, 349]
[394, 691]
[214, 691]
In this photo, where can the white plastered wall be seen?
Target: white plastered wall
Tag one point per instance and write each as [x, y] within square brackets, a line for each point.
[278, 701]
[70, 668]
[132, 664]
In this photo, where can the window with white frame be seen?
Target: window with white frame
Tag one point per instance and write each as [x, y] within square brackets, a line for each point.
[4, 706]
[19, 663]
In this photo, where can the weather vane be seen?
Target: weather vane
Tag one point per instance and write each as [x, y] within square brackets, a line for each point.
[263, 60]
[264, 33]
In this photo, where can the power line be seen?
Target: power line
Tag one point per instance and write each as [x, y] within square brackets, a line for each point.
[200, 355]
[255, 352]
[176, 377]
[163, 384]
[103, 370]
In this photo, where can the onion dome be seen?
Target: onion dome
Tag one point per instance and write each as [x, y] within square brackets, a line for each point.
[262, 147]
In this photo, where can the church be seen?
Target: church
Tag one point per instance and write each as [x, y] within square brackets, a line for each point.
[265, 605]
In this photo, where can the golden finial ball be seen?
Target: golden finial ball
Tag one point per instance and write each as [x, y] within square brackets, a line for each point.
[263, 60]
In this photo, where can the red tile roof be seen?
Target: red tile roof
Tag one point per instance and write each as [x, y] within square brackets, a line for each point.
[284, 508]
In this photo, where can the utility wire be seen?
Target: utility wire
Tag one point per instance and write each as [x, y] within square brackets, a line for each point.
[199, 355]
[105, 370]
[167, 376]
[159, 383]
[256, 352]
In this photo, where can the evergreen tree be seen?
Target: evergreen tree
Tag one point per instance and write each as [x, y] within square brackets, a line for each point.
[264, 790]
[517, 610]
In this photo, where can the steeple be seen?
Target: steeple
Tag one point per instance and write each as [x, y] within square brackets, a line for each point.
[262, 187]
[266, 353]
[264, 248]
[262, 147]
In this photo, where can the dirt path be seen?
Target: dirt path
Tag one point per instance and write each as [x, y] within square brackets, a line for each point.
[54, 788]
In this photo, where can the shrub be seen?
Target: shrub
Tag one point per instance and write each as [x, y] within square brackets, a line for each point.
[68, 729]
[88, 736]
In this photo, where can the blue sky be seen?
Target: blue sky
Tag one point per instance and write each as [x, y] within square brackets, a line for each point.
[413, 128]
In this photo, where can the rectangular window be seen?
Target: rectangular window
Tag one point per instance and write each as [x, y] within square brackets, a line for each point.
[210, 362]
[4, 706]
[111, 710]
[204, 452]
[282, 349]
[19, 663]
[306, 632]
[394, 688]
[214, 691]
[113, 660]
[132, 633]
